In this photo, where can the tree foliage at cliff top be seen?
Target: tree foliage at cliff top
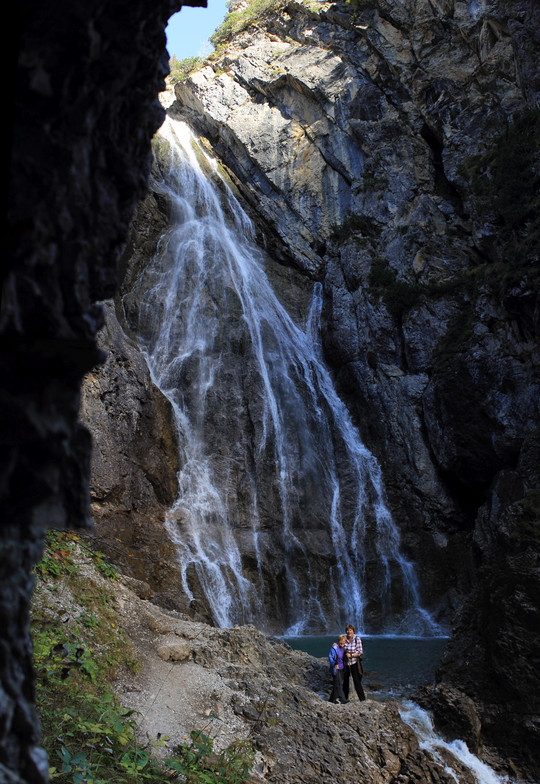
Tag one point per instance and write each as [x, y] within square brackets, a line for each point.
[236, 21]
[181, 69]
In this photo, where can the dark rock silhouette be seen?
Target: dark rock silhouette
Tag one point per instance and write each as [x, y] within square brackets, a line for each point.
[83, 107]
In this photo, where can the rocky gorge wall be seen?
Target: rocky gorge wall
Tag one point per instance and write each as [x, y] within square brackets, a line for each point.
[390, 151]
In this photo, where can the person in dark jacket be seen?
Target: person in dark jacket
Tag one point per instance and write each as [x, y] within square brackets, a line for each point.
[337, 668]
[354, 652]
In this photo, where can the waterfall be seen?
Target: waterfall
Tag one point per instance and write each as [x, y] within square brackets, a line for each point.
[454, 757]
[280, 518]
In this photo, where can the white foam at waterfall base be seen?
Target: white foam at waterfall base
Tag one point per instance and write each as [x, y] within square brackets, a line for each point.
[207, 257]
[444, 752]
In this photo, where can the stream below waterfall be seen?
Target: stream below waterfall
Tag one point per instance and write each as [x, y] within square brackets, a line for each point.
[453, 756]
[394, 667]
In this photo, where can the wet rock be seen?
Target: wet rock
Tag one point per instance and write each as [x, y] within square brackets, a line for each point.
[454, 714]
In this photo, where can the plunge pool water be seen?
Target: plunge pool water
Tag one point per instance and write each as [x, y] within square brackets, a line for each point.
[393, 666]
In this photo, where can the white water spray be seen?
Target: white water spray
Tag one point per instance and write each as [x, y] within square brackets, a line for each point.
[454, 756]
[266, 444]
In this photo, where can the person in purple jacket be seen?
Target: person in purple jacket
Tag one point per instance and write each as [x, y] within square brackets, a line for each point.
[337, 669]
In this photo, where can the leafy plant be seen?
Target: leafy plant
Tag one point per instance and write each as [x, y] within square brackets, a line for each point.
[505, 179]
[398, 296]
[528, 524]
[354, 224]
[505, 182]
[83, 726]
[85, 731]
[236, 21]
[459, 330]
[362, 4]
[181, 69]
[198, 762]
[58, 555]
[103, 566]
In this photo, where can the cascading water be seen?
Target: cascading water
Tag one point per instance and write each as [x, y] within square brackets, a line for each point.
[280, 518]
[454, 757]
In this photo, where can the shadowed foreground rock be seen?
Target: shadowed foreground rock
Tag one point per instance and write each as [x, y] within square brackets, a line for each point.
[84, 110]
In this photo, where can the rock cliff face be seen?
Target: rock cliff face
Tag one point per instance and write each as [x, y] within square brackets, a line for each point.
[131, 487]
[390, 151]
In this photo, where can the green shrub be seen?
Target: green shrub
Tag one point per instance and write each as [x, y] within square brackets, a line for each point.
[362, 5]
[459, 330]
[181, 69]
[528, 525]
[380, 275]
[354, 224]
[198, 762]
[236, 21]
[506, 178]
[398, 296]
[401, 297]
[84, 730]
